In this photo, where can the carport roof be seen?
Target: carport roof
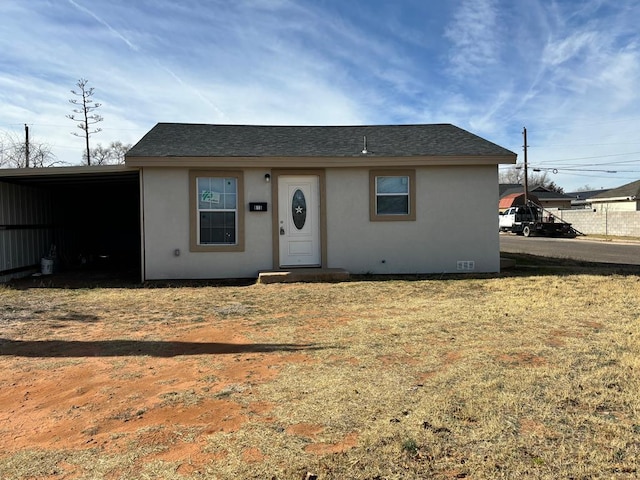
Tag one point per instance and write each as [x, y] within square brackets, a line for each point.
[78, 175]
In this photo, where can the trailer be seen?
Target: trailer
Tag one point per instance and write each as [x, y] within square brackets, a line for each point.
[532, 219]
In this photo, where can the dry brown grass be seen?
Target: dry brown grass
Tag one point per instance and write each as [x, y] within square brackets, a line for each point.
[523, 376]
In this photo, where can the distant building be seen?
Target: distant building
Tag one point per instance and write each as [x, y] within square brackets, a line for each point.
[541, 195]
[622, 199]
[583, 199]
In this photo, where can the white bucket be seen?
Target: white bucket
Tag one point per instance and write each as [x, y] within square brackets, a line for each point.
[46, 266]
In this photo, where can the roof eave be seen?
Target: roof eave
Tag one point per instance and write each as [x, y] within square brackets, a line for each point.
[628, 198]
[67, 170]
[315, 162]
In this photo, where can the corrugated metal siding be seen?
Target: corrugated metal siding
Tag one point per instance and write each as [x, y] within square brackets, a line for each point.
[23, 205]
[25, 228]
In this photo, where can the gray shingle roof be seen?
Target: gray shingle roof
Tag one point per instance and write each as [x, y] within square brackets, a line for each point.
[541, 192]
[587, 194]
[629, 190]
[203, 140]
[507, 188]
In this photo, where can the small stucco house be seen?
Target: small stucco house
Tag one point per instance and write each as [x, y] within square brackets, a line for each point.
[622, 199]
[582, 199]
[230, 201]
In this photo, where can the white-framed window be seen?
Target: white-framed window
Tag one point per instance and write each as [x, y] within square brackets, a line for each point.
[216, 211]
[392, 195]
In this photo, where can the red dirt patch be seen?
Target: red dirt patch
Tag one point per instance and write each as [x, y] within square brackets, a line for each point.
[534, 428]
[350, 441]
[77, 401]
[528, 359]
[452, 357]
[305, 430]
[592, 324]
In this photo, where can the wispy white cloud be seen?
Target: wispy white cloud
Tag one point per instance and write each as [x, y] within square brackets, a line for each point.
[565, 70]
[486, 65]
[620, 78]
[562, 50]
[105, 24]
[475, 43]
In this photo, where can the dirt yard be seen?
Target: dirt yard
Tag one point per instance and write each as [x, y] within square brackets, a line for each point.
[400, 379]
[74, 379]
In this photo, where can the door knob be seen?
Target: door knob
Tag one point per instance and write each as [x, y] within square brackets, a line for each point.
[281, 230]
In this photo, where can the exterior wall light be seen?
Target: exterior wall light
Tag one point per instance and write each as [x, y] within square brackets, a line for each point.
[267, 177]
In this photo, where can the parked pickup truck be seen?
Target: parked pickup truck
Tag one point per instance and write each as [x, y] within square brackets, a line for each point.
[533, 220]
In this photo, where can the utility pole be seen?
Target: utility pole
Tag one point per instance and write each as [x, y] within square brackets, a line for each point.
[526, 176]
[26, 145]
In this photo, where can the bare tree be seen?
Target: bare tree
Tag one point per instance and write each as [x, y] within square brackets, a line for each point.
[119, 150]
[553, 187]
[99, 154]
[515, 175]
[84, 114]
[111, 155]
[13, 152]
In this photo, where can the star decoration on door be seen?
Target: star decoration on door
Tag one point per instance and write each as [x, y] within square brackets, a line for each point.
[299, 209]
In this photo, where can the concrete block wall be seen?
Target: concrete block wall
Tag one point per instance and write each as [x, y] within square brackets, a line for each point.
[621, 224]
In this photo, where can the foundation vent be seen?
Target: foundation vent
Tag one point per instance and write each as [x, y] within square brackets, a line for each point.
[466, 265]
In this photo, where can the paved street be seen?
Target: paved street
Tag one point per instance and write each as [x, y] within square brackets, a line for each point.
[575, 248]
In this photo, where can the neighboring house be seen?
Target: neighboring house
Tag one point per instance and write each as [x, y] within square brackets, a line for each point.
[622, 199]
[504, 188]
[229, 201]
[515, 199]
[551, 199]
[543, 196]
[583, 199]
[614, 212]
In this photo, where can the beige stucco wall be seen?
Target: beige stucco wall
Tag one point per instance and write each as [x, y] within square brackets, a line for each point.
[455, 221]
[555, 203]
[166, 219]
[628, 206]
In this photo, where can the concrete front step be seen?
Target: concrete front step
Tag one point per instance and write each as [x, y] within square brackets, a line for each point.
[303, 275]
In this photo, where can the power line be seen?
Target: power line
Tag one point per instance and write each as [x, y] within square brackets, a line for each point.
[567, 169]
[579, 167]
[67, 126]
[589, 158]
[567, 145]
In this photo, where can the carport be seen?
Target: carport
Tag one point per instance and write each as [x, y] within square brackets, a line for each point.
[86, 218]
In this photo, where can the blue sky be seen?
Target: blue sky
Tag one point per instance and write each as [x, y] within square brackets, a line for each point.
[567, 70]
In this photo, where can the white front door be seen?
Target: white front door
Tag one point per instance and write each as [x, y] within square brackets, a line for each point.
[299, 220]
